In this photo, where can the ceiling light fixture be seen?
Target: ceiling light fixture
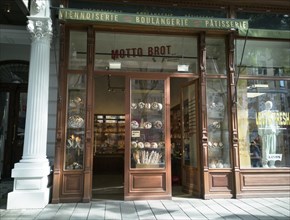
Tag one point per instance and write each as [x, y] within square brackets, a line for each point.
[7, 9]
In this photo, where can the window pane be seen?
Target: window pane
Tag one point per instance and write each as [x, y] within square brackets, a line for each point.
[215, 56]
[272, 21]
[145, 53]
[263, 58]
[264, 123]
[218, 128]
[78, 50]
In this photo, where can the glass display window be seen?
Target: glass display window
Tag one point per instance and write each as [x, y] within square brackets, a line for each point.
[218, 124]
[263, 58]
[147, 124]
[76, 115]
[145, 53]
[264, 123]
[215, 56]
[77, 50]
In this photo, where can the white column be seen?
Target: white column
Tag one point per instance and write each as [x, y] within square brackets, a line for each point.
[30, 175]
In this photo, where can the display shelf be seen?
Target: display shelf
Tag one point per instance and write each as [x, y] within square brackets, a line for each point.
[109, 133]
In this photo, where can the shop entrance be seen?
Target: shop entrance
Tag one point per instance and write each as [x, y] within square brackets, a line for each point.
[109, 137]
[185, 160]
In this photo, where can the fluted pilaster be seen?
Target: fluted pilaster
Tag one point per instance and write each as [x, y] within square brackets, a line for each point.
[38, 87]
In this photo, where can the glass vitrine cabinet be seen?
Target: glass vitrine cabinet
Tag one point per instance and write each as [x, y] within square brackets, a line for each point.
[75, 135]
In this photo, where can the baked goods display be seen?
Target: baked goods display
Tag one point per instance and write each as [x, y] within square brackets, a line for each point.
[75, 143]
[147, 124]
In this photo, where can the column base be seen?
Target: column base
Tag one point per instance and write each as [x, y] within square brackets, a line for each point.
[28, 199]
[31, 188]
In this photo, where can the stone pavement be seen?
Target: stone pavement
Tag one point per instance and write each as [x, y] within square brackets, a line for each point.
[177, 208]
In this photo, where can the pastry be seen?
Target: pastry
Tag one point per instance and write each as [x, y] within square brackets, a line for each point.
[134, 124]
[158, 124]
[147, 125]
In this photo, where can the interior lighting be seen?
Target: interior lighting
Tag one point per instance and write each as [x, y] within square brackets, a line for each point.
[7, 9]
[114, 65]
[254, 94]
[182, 68]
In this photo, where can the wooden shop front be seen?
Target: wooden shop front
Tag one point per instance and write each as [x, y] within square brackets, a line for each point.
[162, 100]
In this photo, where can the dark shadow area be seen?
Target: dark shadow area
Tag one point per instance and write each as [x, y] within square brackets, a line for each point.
[6, 186]
[177, 192]
[108, 187]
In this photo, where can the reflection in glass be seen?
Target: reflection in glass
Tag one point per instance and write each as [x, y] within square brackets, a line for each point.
[215, 56]
[76, 113]
[146, 53]
[78, 50]
[267, 20]
[218, 128]
[263, 58]
[264, 123]
[147, 124]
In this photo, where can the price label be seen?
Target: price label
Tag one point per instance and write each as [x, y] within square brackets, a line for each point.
[135, 134]
[274, 157]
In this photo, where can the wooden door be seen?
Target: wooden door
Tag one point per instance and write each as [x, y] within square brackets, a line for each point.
[190, 139]
[147, 153]
[13, 98]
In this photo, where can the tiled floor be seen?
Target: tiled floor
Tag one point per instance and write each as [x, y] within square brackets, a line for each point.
[182, 209]
[178, 208]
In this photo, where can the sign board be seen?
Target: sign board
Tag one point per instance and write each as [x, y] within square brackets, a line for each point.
[66, 14]
[274, 157]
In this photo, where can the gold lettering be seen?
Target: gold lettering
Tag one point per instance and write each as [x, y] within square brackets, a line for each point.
[245, 26]
[109, 16]
[206, 23]
[172, 22]
[157, 21]
[223, 24]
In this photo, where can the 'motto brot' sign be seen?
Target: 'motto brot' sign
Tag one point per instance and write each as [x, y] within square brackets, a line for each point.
[169, 21]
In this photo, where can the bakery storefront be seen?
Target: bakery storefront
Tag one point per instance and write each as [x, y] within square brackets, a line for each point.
[182, 97]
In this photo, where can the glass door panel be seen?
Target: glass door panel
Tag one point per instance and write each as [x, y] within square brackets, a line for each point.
[147, 124]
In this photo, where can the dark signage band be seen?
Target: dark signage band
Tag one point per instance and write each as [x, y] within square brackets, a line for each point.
[136, 19]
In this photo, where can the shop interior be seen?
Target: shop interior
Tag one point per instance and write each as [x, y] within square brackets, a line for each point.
[109, 136]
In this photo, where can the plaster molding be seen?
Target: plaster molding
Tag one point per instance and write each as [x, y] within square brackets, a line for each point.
[39, 27]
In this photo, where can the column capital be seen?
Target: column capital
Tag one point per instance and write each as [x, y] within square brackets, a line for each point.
[39, 27]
